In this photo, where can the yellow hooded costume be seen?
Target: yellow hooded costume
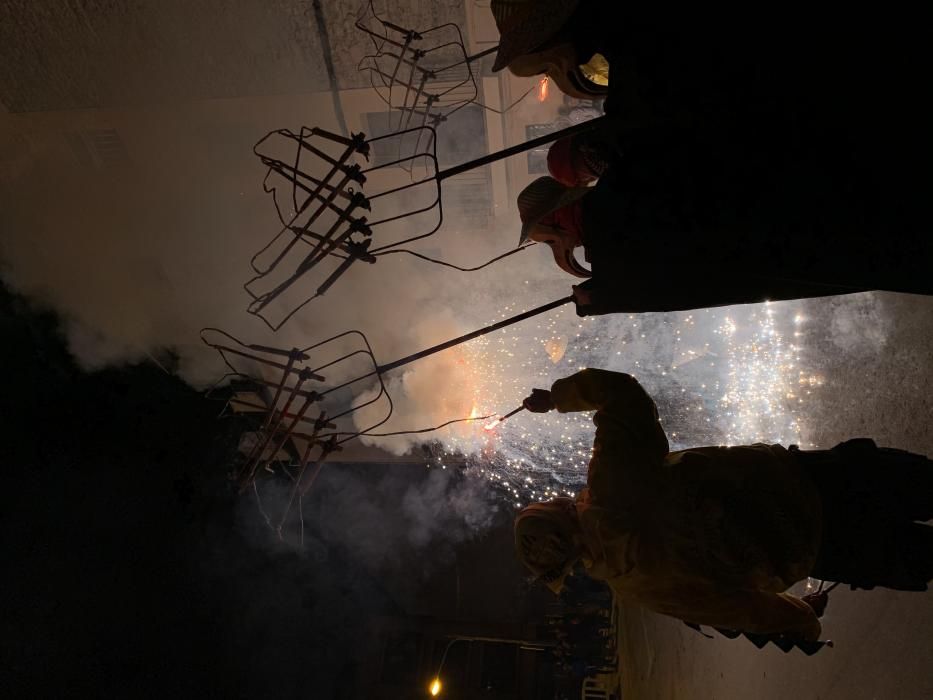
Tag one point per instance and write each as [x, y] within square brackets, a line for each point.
[710, 535]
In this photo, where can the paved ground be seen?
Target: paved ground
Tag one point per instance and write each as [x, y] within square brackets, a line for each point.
[878, 364]
[883, 650]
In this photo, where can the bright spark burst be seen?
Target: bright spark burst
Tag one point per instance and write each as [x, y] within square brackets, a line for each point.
[719, 376]
[763, 371]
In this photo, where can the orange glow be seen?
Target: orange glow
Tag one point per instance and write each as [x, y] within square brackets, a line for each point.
[555, 348]
[435, 687]
[542, 89]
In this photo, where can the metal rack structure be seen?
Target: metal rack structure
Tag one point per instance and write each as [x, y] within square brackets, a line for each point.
[328, 221]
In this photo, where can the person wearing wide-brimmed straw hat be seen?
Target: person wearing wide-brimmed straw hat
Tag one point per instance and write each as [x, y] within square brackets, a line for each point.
[659, 238]
[533, 41]
[537, 205]
[524, 25]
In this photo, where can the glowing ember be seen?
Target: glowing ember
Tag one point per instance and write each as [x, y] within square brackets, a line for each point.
[542, 89]
[491, 425]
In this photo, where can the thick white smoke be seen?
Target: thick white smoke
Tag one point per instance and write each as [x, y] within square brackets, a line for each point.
[138, 259]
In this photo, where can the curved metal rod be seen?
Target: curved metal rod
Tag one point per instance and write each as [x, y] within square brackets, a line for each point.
[425, 430]
[274, 327]
[287, 317]
[457, 267]
[378, 372]
[292, 174]
[208, 393]
[337, 337]
[295, 418]
[388, 81]
[440, 209]
[282, 168]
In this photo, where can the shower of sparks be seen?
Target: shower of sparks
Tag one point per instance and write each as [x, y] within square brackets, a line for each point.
[491, 425]
[719, 376]
[765, 383]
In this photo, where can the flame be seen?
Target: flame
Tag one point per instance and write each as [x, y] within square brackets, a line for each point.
[436, 686]
[491, 425]
[542, 89]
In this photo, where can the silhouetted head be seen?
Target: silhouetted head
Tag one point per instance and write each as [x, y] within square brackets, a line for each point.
[553, 38]
[547, 540]
[536, 203]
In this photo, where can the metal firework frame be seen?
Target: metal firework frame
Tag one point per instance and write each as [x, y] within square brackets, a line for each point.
[298, 416]
[325, 208]
[424, 76]
[328, 211]
[279, 378]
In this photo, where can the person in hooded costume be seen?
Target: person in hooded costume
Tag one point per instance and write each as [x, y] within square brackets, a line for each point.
[791, 159]
[716, 535]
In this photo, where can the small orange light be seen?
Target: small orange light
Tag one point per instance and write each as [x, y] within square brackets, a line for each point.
[542, 89]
